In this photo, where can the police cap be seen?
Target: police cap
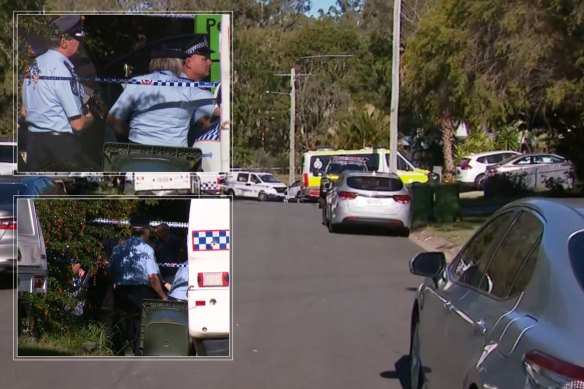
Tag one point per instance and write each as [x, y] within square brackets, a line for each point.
[165, 51]
[198, 45]
[139, 222]
[68, 25]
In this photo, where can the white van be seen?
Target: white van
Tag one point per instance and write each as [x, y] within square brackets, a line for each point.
[32, 255]
[259, 185]
[209, 290]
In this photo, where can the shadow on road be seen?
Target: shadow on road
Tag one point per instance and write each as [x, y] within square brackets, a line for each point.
[370, 231]
[412, 288]
[401, 372]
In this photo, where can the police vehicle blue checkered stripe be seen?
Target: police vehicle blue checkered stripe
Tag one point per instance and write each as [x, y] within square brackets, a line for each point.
[211, 240]
[210, 135]
[117, 80]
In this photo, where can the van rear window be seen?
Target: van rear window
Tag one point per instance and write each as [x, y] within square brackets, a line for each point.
[380, 184]
[576, 250]
[318, 163]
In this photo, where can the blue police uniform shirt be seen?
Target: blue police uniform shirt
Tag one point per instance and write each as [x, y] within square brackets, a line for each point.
[132, 262]
[180, 284]
[50, 103]
[205, 110]
[159, 115]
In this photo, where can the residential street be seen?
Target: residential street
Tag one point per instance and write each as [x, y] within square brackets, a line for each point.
[311, 310]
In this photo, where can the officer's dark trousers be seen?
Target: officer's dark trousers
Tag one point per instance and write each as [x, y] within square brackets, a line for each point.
[128, 305]
[54, 152]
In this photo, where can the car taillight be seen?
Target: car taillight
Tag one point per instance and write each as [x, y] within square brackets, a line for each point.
[213, 279]
[464, 164]
[220, 180]
[7, 224]
[305, 180]
[402, 199]
[347, 195]
[545, 371]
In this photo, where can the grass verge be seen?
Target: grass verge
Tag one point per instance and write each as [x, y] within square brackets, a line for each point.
[91, 340]
[457, 233]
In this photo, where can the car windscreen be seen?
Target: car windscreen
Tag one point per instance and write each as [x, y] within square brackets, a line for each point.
[6, 154]
[7, 193]
[338, 168]
[318, 163]
[576, 250]
[380, 184]
[268, 178]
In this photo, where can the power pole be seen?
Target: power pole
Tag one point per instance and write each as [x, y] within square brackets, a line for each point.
[393, 130]
[292, 167]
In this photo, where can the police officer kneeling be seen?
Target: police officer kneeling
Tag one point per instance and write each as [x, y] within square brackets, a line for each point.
[135, 274]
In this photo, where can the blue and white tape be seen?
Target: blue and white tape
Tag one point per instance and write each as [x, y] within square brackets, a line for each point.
[117, 80]
[152, 224]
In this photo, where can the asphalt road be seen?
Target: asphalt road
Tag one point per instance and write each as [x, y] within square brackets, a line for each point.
[311, 310]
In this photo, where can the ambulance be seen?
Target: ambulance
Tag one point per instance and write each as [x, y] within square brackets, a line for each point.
[209, 291]
[377, 159]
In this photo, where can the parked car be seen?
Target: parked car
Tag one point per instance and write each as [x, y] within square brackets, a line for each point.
[294, 192]
[472, 168]
[537, 169]
[9, 187]
[259, 185]
[506, 312]
[7, 158]
[368, 199]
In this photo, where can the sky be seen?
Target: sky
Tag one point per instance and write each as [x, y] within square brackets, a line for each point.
[316, 4]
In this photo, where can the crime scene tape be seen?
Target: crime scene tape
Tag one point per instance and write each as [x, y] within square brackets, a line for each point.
[116, 80]
[173, 264]
[152, 224]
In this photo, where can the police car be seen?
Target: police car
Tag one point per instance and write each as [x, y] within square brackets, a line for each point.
[259, 185]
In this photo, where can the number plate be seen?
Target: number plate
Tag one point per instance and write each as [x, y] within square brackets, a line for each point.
[375, 201]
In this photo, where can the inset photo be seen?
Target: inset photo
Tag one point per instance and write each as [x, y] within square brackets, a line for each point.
[123, 92]
[118, 277]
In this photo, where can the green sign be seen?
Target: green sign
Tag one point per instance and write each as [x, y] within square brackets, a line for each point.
[211, 25]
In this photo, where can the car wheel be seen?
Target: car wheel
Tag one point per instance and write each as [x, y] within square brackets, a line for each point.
[262, 196]
[480, 181]
[416, 373]
[405, 232]
[231, 193]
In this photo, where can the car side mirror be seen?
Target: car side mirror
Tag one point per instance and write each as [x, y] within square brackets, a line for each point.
[429, 264]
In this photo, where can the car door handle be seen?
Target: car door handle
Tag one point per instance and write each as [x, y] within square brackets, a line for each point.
[480, 327]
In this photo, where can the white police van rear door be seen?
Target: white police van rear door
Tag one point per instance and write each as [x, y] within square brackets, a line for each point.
[209, 297]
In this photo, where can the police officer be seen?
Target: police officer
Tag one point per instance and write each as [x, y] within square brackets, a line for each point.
[157, 114]
[180, 284]
[197, 67]
[134, 272]
[54, 109]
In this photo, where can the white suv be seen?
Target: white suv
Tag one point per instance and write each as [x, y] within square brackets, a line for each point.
[472, 168]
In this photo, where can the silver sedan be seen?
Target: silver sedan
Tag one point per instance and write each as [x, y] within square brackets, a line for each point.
[507, 311]
[368, 199]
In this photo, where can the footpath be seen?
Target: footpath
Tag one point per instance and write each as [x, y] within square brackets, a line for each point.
[472, 206]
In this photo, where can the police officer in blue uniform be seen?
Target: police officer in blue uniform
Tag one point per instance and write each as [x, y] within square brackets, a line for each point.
[180, 285]
[157, 114]
[197, 67]
[54, 109]
[135, 274]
